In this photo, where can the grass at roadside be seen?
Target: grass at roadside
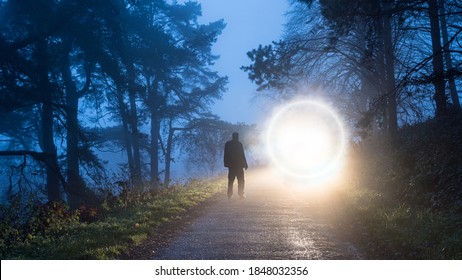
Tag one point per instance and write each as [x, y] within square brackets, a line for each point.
[385, 228]
[403, 200]
[115, 231]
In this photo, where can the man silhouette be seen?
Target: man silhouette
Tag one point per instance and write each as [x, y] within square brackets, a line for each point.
[234, 159]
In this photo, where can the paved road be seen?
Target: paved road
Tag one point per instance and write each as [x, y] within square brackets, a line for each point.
[276, 221]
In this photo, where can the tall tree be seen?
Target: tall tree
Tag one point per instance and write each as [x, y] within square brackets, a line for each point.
[26, 36]
[47, 139]
[447, 56]
[391, 115]
[363, 55]
[175, 59]
[438, 66]
[151, 59]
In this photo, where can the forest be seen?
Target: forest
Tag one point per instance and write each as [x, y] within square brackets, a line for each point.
[135, 78]
[78, 77]
[393, 70]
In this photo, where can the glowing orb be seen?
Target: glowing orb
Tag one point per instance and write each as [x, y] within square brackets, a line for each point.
[305, 139]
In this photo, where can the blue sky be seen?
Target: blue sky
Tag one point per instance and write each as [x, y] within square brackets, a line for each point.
[249, 23]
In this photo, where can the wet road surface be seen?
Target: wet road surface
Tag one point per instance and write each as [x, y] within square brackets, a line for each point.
[274, 222]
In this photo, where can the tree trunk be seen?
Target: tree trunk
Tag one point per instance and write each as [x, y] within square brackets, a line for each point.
[126, 133]
[47, 137]
[390, 73]
[365, 90]
[168, 154]
[155, 127]
[381, 80]
[447, 58]
[438, 67]
[135, 135]
[76, 184]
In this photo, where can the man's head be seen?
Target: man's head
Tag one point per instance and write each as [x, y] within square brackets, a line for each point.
[235, 136]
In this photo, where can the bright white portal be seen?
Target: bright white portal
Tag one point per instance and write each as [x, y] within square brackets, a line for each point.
[305, 139]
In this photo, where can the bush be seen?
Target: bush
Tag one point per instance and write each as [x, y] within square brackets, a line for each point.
[404, 199]
[53, 231]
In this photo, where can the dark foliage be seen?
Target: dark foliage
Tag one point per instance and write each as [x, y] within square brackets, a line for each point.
[407, 198]
[430, 156]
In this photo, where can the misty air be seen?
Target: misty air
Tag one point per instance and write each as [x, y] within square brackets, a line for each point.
[230, 130]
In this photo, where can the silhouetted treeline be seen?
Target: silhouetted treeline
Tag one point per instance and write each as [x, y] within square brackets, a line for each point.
[384, 63]
[70, 66]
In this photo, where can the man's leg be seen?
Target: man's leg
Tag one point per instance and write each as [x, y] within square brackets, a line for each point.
[231, 176]
[240, 182]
